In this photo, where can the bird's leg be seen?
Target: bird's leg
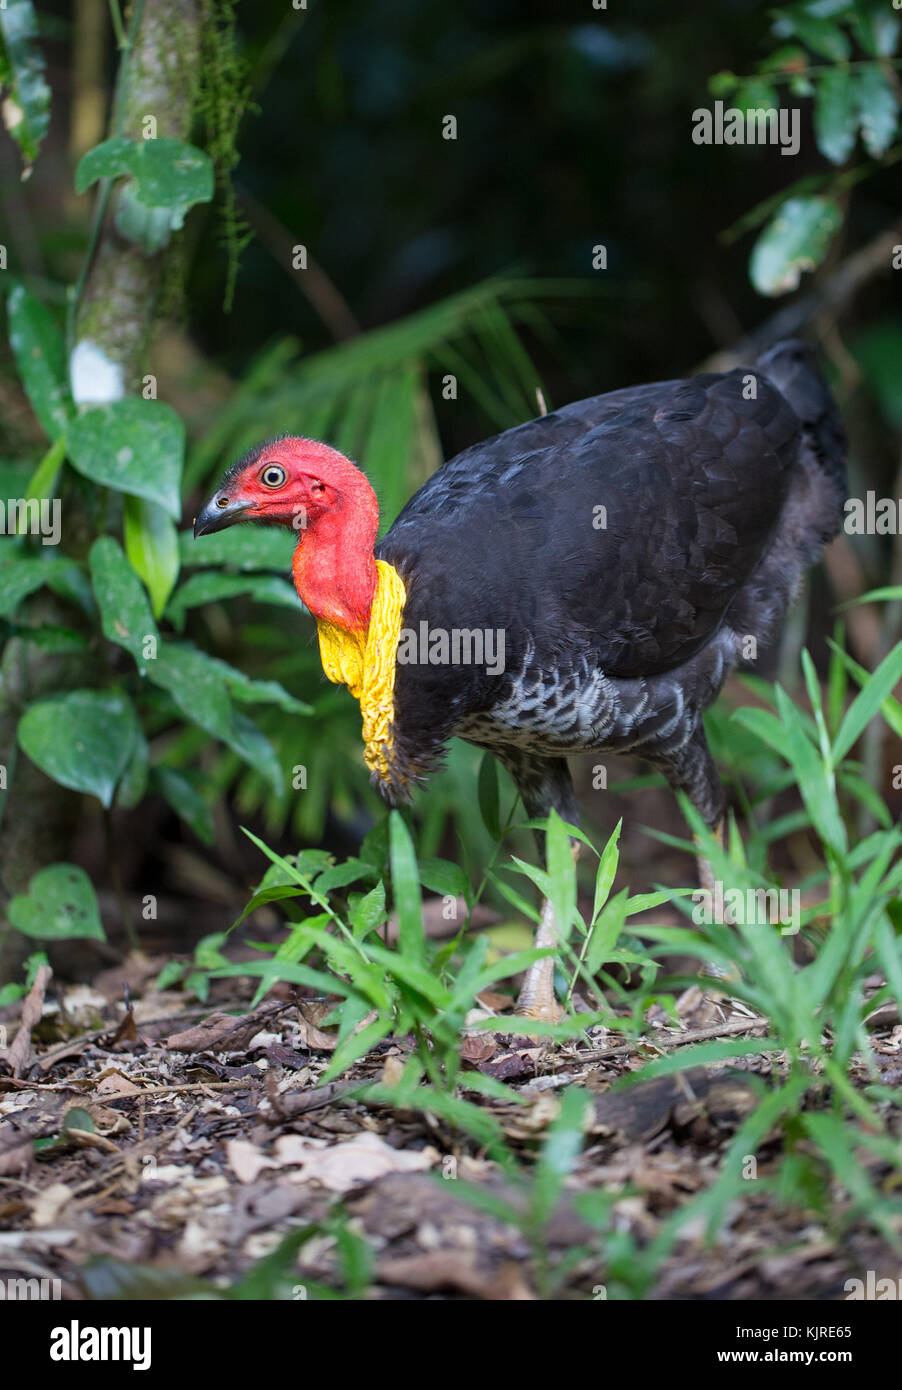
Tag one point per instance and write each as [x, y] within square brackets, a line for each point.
[705, 872]
[537, 994]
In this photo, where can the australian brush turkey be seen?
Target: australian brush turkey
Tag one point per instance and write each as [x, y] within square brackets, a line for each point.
[584, 582]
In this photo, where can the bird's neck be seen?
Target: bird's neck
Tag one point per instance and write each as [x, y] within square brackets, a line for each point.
[334, 568]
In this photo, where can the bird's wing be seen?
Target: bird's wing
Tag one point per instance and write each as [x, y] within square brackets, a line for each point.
[690, 478]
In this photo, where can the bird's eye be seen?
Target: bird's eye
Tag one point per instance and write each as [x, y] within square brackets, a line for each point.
[273, 475]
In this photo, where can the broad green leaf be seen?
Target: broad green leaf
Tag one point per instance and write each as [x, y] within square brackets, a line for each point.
[52, 638]
[246, 547]
[878, 109]
[83, 740]
[169, 175]
[213, 585]
[26, 95]
[20, 577]
[133, 445]
[795, 240]
[60, 905]
[133, 783]
[124, 610]
[406, 889]
[441, 876]
[196, 686]
[836, 114]
[39, 349]
[251, 744]
[151, 544]
[820, 34]
[185, 800]
[877, 27]
[341, 875]
[369, 914]
[199, 689]
[248, 691]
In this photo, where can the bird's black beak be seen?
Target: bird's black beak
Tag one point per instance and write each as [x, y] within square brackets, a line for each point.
[221, 511]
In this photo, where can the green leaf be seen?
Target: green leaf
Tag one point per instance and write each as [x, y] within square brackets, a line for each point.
[240, 547]
[820, 35]
[60, 905]
[248, 691]
[561, 874]
[26, 105]
[185, 800]
[605, 931]
[21, 577]
[133, 783]
[83, 740]
[818, 795]
[40, 353]
[170, 176]
[406, 888]
[124, 610]
[836, 114]
[198, 687]
[878, 110]
[369, 914]
[795, 240]
[213, 585]
[867, 703]
[607, 868]
[42, 482]
[441, 876]
[133, 445]
[877, 28]
[152, 546]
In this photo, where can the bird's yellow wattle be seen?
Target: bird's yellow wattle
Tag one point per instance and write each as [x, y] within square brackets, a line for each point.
[365, 663]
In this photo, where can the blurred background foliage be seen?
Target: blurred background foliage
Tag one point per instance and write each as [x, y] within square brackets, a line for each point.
[475, 259]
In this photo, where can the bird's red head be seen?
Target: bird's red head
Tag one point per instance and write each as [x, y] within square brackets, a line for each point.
[320, 494]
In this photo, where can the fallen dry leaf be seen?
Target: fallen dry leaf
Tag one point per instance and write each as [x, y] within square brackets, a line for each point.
[362, 1159]
[18, 1055]
[455, 1269]
[246, 1160]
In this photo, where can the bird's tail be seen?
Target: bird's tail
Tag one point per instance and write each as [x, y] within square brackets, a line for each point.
[792, 367]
